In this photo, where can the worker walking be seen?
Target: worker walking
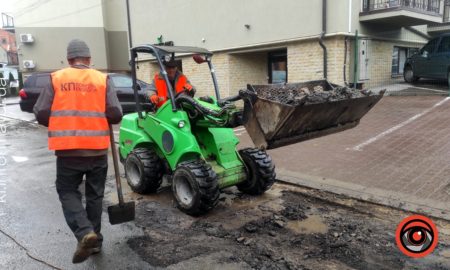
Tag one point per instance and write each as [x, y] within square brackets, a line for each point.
[77, 107]
[178, 81]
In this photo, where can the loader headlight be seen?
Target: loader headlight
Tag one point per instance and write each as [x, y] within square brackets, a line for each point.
[181, 124]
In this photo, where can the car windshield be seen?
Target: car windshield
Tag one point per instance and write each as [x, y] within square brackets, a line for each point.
[122, 81]
[126, 82]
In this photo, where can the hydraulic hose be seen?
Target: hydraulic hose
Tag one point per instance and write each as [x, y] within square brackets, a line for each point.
[205, 111]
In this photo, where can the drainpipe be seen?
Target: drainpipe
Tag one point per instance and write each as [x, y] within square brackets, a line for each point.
[350, 6]
[129, 25]
[322, 35]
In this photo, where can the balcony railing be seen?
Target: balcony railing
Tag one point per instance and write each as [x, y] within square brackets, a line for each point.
[447, 11]
[424, 6]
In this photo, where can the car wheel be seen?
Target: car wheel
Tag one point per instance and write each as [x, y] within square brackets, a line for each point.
[448, 78]
[408, 75]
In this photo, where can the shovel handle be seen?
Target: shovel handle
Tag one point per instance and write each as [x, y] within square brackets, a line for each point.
[116, 165]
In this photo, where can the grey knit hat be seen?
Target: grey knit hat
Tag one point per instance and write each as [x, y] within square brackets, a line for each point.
[77, 48]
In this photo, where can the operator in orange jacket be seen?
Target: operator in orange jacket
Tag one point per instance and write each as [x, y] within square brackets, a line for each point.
[177, 79]
[77, 106]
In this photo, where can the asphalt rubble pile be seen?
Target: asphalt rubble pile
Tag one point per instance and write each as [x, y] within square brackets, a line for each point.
[296, 96]
[273, 237]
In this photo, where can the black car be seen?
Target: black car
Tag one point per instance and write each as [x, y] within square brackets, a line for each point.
[432, 61]
[121, 83]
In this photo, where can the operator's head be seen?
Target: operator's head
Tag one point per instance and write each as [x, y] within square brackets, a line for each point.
[171, 68]
[78, 53]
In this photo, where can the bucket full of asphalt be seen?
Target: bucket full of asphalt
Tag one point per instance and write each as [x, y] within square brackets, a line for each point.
[276, 115]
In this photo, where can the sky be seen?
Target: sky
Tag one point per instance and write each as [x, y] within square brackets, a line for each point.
[6, 7]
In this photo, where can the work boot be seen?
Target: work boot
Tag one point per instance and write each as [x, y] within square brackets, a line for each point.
[85, 247]
[97, 248]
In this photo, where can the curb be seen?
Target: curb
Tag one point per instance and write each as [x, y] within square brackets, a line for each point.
[392, 199]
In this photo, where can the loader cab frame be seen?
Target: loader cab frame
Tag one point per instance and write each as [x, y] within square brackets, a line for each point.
[165, 53]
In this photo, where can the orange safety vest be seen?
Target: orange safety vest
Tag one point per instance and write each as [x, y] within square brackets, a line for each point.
[77, 119]
[181, 82]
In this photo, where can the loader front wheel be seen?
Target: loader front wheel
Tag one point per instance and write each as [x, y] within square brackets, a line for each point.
[260, 171]
[143, 170]
[195, 187]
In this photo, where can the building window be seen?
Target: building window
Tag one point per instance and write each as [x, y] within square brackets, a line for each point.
[4, 41]
[399, 56]
[278, 66]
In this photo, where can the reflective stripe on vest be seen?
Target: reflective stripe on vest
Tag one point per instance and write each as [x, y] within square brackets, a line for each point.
[77, 119]
[83, 133]
[161, 87]
[77, 113]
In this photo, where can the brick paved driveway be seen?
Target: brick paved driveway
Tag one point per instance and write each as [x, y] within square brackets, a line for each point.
[399, 155]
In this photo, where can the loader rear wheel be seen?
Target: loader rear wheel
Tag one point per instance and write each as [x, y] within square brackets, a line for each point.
[260, 171]
[195, 187]
[143, 170]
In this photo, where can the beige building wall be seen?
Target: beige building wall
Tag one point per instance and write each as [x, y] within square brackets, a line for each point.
[48, 51]
[380, 62]
[116, 31]
[217, 24]
[200, 77]
[305, 60]
[59, 13]
[198, 74]
[233, 72]
[101, 23]
[247, 68]
[146, 70]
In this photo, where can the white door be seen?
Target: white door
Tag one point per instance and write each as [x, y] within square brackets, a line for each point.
[363, 59]
[401, 60]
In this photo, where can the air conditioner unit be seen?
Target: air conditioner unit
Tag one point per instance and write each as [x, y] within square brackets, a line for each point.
[26, 38]
[29, 64]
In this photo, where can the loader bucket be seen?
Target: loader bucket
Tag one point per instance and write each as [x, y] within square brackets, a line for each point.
[279, 115]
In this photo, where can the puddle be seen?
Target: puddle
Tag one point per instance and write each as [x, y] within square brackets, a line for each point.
[313, 224]
[19, 159]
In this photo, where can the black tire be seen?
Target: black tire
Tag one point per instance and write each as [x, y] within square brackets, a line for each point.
[408, 75]
[195, 187]
[260, 171]
[448, 78]
[143, 170]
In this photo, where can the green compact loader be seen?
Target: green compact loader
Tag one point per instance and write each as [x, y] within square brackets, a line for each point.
[191, 140]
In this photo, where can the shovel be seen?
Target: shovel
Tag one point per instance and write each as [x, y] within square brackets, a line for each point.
[123, 212]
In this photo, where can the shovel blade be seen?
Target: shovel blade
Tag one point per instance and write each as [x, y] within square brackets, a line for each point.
[121, 213]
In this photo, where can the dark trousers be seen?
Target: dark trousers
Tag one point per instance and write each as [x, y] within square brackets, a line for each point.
[69, 175]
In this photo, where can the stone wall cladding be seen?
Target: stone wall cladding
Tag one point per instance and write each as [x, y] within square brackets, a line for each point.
[380, 62]
[305, 62]
[146, 71]
[248, 68]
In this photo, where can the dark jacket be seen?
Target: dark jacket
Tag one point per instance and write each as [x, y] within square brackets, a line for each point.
[42, 110]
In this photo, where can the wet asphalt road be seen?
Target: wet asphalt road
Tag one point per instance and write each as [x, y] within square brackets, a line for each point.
[30, 211]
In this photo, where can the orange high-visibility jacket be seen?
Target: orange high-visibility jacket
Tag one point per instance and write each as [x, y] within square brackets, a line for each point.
[181, 82]
[77, 119]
